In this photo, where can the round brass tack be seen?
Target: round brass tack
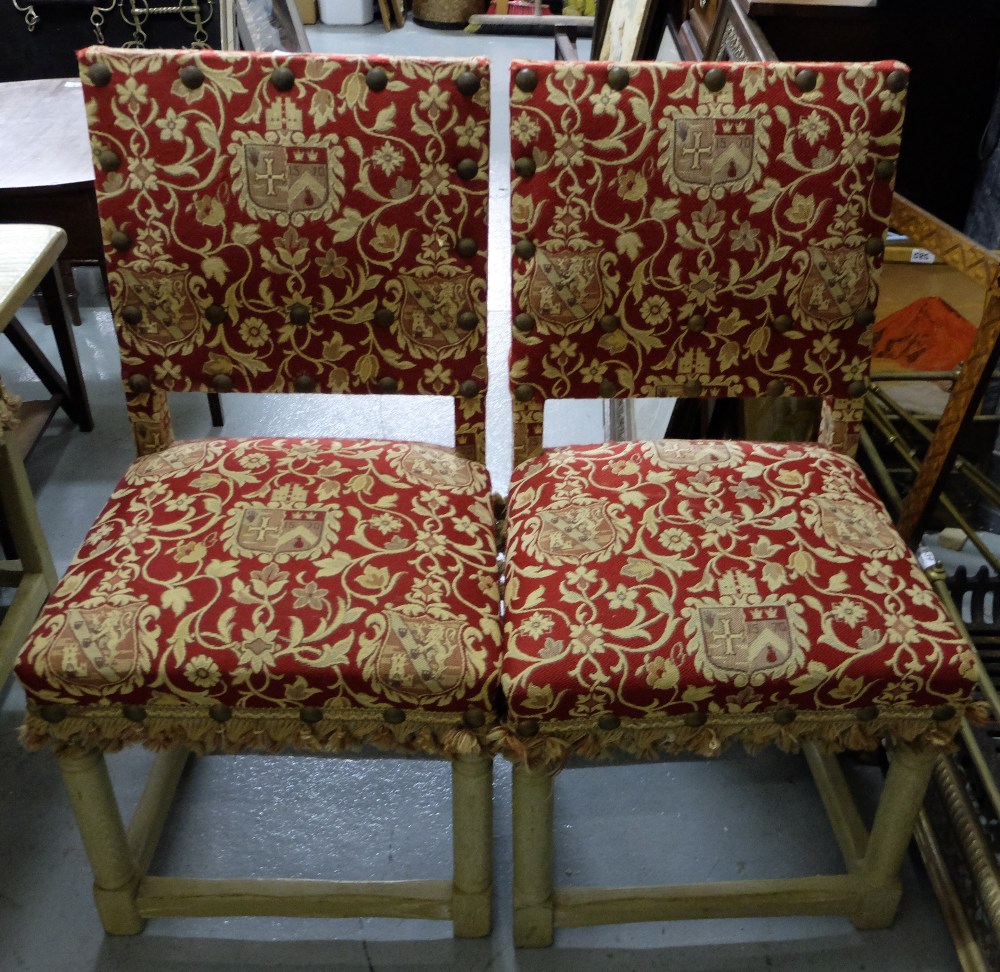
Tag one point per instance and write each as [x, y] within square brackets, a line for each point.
[467, 247]
[216, 314]
[474, 718]
[220, 713]
[298, 314]
[108, 160]
[387, 385]
[805, 80]
[282, 79]
[222, 383]
[783, 323]
[885, 169]
[942, 713]
[864, 317]
[120, 240]
[191, 76]
[867, 714]
[776, 388]
[525, 249]
[525, 323]
[304, 383]
[527, 728]
[384, 317]
[134, 713]
[715, 79]
[526, 80]
[524, 393]
[608, 722]
[609, 323]
[394, 716]
[695, 719]
[697, 323]
[99, 74]
[377, 79]
[139, 383]
[467, 169]
[311, 714]
[524, 166]
[469, 388]
[692, 387]
[468, 83]
[784, 716]
[607, 388]
[53, 712]
[618, 78]
[132, 314]
[468, 320]
[856, 389]
[875, 246]
[896, 81]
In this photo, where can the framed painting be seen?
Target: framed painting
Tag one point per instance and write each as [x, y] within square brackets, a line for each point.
[735, 37]
[627, 25]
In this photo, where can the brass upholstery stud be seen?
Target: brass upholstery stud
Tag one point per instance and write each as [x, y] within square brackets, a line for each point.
[191, 76]
[139, 383]
[697, 323]
[607, 388]
[99, 74]
[692, 387]
[609, 323]
[53, 712]
[120, 240]
[220, 713]
[222, 383]
[896, 81]
[942, 713]
[875, 246]
[525, 323]
[108, 160]
[384, 317]
[469, 388]
[310, 714]
[618, 78]
[132, 314]
[394, 716]
[885, 169]
[856, 389]
[776, 388]
[134, 713]
[784, 716]
[526, 80]
[864, 317]
[525, 249]
[282, 79]
[695, 719]
[467, 247]
[524, 166]
[524, 393]
[467, 169]
[468, 320]
[387, 385]
[216, 314]
[377, 79]
[474, 718]
[783, 323]
[527, 728]
[608, 722]
[304, 383]
[715, 79]
[805, 80]
[468, 83]
[298, 314]
[867, 714]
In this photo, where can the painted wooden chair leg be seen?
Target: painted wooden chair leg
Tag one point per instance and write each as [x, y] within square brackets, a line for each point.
[902, 797]
[472, 816]
[533, 855]
[115, 877]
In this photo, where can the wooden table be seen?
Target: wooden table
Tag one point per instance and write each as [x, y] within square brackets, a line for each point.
[28, 256]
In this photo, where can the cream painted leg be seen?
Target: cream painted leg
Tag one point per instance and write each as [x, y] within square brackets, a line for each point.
[100, 823]
[533, 893]
[472, 816]
[902, 798]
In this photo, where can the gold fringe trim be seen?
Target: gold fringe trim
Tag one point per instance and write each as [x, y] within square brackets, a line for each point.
[106, 728]
[652, 738]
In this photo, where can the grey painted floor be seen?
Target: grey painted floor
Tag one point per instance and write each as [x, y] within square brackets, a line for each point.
[736, 818]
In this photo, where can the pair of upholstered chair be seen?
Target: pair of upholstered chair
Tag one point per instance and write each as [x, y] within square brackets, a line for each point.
[280, 223]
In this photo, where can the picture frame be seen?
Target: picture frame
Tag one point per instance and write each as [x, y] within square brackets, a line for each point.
[622, 29]
[270, 25]
[735, 37]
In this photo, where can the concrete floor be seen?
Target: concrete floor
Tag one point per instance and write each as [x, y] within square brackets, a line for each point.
[737, 817]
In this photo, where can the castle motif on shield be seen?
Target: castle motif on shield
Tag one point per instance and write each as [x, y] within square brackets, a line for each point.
[169, 312]
[431, 305]
[421, 656]
[836, 283]
[565, 287]
[97, 647]
[576, 532]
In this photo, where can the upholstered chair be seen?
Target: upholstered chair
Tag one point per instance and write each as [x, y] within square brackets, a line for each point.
[284, 224]
[709, 231]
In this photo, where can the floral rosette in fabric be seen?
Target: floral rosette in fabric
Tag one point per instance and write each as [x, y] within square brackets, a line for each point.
[671, 595]
[264, 593]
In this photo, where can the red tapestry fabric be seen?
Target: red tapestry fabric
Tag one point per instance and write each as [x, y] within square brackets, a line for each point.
[698, 229]
[719, 585]
[334, 585]
[278, 222]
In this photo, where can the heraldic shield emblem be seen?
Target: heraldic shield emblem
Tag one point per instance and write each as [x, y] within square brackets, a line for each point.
[836, 283]
[713, 151]
[747, 641]
[577, 532]
[97, 648]
[272, 532]
[431, 305]
[169, 312]
[421, 656]
[565, 288]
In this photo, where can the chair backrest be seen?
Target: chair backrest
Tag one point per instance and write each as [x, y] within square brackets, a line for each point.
[278, 222]
[698, 230]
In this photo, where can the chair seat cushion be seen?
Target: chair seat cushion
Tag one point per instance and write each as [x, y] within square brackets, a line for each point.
[239, 594]
[675, 594]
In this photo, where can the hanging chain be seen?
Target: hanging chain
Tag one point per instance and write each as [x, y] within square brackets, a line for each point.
[97, 20]
[30, 17]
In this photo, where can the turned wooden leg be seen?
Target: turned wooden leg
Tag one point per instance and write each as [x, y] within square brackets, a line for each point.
[533, 902]
[100, 823]
[902, 797]
[472, 816]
